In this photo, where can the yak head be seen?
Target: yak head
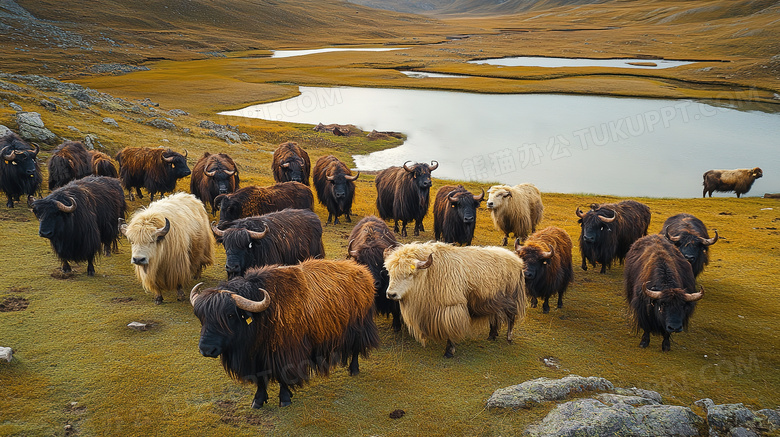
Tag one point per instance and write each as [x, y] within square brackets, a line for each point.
[756, 173]
[177, 163]
[535, 258]
[229, 208]
[293, 169]
[597, 224]
[339, 182]
[498, 195]
[421, 174]
[238, 244]
[403, 269]
[672, 306]
[223, 314]
[692, 246]
[53, 214]
[465, 204]
[24, 161]
[220, 179]
[145, 237]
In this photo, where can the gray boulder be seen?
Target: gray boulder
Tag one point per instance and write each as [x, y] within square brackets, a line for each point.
[31, 128]
[15, 107]
[48, 105]
[534, 392]
[738, 420]
[91, 142]
[110, 121]
[6, 353]
[161, 123]
[4, 131]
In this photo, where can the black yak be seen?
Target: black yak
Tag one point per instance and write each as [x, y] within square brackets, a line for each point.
[283, 323]
[20, 174]
[80, 218]
[548, 265]
[609, 229]
[690, 236]
[291, 163]
[156, 170]
[403, 193]
[739, 181]
[335, 187]
[254, 200]
[213, 174]
[660, 288]
[69, 161]
[282, 237]
[367, 243]
[455, 214]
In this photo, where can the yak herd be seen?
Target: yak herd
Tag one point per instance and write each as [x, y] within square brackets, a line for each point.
[285, 312]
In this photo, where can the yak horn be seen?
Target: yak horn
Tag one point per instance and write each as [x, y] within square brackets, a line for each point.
[286, 165]
[217, 231]
[251, 305]
[122, 226]
[10, 156]
[195, 293]
[609, 219]
[230, 172]
[350, 252]
[164, 230]
[185, 153]
[481, 196]
[424, 264]
[549, 254]
[330, 178]
[652, 294]
[673, 238]
[407, 168]
[37, 149]
[434, 165]
[352, 178]
[518, 246]
[709, 241]
[168, 159]
[579, 213]
[258, 235]
[452, 198]
[693, 297]
[209, 173]
[218, 200]
[61, 206]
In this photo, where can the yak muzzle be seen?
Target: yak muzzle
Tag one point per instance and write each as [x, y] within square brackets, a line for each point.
[392, 296]
[210, 351]
[140, 260]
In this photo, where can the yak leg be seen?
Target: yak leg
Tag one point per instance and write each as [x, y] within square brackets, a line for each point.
[138, 192]
[91, 267]
[645, 339]
[419, 226]
[107, 249]
[505, 240]
[493, 329]
[349, 219]
[665, 344]
[335, 219]
[546, 305]
[285, 395]
[449, 350]
[584, 264]
[66, 267]
[396, 319]
[603, 268]
[395, 227]
[330, 218]
[737, 195]
[180, 293]
[158, 299]
[560, 300]
[510, 327]
[354, 366]
[10, 202]
[403, 228]
[261, 397]
[533, 302]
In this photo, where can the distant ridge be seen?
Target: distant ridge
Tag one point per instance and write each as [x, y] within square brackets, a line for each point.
[468, 7]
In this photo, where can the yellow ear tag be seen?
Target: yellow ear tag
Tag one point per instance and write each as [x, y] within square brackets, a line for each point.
[414, 266]
[248, 320]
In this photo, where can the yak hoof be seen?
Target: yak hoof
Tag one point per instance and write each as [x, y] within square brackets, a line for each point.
[448, 354]
[644, 343]
[284, 403]
[158, 300]
[546, 309]
[9, 204]
[257, 404]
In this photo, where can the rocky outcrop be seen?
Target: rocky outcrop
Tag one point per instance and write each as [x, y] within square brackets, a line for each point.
[738, 420]
[226, 132]
[532, 393]
[31, 128]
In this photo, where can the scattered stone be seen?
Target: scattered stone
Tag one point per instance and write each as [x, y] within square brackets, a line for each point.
[397, 414]
[178, 112]
[4, 131]
[375, 135]
[110, 121]
[116, 69]
[48, 105]
[633, 391]
[161, 123]
[534, 392]
[6, 353]
[90, 141]
[551, 362]
[738, 420]
[74, 129]
[148, 103]
[226, 135]
[31, 128]
[244, 136]
[138, 326]
[15, 107]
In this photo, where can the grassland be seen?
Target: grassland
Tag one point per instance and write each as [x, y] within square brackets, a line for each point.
[78, 364]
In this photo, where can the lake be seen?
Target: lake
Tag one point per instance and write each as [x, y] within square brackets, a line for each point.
[291, 53]
[541, 61]
[560, 143]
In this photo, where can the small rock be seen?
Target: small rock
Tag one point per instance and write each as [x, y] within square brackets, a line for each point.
[161, 123]
[74, 129]
[90, 141]
[244, 136]
[15, 107]
[178, 112]
[6, 353]
[48, 105]
[110, 121]
[138, 326]
[397, 414]
[4, 131]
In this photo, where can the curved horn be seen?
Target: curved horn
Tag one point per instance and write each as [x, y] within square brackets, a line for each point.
[37, 149]
[218, 200]
[481, 196]
[61, 206]
[352, 178]
[122, 226]
[195, 293]
[579, 213]
[330, 178]
[452, 198]
[257, 235]
[693, 297]
[209, 173]
[407, 168]
[168, 159]
[518, 246]
[434, 166]
[674, 238]
[424, 264]
[185, 153]
[609, 219]
[652, 294]
[10, 156]
[549, 254]
[164, 230]
[350, 252]
[230, 172]
[709, 241]
[251, 305]
[285, 165]
[217, 231]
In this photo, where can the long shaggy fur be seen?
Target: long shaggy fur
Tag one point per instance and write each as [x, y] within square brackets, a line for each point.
[293, 236]
[464, 288]
[551, 275]
[69, 161]
[612, 240]
[739, 181]
[404, 195]
[454, 222]
[516, 210]
[254, 200]
[291, 163]
[102, 164]
[368, 241]
[79, 235]
[320, 314]
[182, 253]
[327, 190]
[20, 176]
[206, 187]
[144, 167]
[690, 232]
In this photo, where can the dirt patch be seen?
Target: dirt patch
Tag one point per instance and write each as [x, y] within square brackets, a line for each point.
[121, 299]
[725, 213]
[6, 215]
[397, 414]
[16, 289]
[230, 414]
[59, 274]
[13, 304]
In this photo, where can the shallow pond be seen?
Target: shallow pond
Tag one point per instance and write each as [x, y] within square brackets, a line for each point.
[291, 53]
[561, 143]
[540, 61]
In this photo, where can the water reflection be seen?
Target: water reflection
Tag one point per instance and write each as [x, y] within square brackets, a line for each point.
[291, 53]
[540, 61]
